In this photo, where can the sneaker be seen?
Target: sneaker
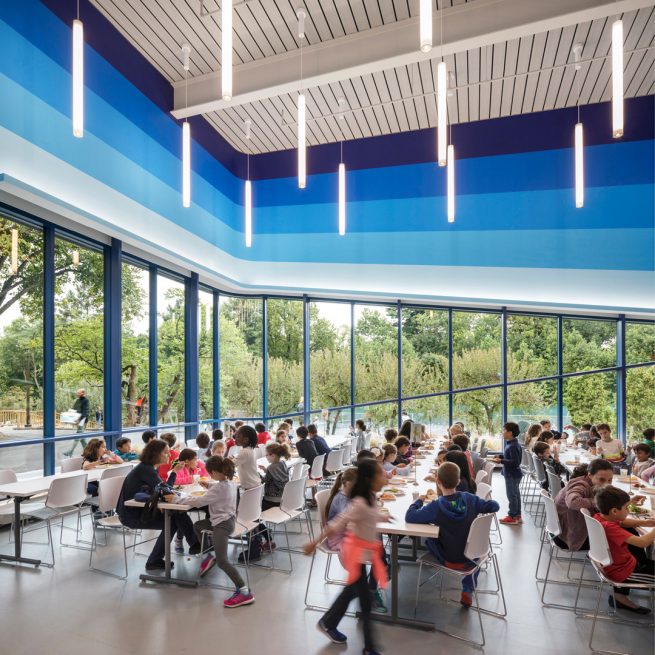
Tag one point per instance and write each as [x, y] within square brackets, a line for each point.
[510, 520]
[237, 599]
[378, 602]
[465, 599]
[268, 546]
[207, 565]
[519, 518]
[157, 565]
[252, 558]
[179, 547]
[334, 635]
[195, 549]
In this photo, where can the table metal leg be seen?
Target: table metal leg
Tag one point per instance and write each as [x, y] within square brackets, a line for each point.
[17, 557]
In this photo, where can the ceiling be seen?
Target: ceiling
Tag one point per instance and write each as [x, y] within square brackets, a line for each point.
[533, 71]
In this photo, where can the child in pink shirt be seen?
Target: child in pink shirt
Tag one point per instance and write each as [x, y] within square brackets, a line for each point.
[192, 466]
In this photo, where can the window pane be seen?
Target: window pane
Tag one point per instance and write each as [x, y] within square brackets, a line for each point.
[532, 402]
[170, 350]
[329, 368]
[376, 353]
[241, 356]
[22, 459]
[476, 349]
[206, 354]
[640, 401]
[531, 347]
[481, 413]
[588, 344]
[79, 339]
[431, 412]
[590, 399]
[135, 326]
[21, 335]
[285, 356]
[379, 417]
[334, 422]
[425, 351]
[639, 343]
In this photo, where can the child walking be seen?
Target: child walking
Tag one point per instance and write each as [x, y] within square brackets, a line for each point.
[511, 461]
[221, 499]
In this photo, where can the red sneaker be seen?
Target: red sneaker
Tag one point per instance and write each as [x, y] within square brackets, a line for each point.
[510, 520]
[238, 599]
[465, 600]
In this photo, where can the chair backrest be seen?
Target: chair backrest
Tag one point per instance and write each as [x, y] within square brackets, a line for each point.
[477, 543]
[233, 451]
[293, 496]
[321, 502]
[115, 472]
[346, 454]
[555, 484]
[68, 491]
[480, 476]
[483, 491]
[304, 470]
[250, 505]
[525, 458]
[531, 466]
[109, 489]
[599, 550]
[296, 471]
[367, 440]
[72, 464]
[475, 444]
[317, 467]
[539, 468]
[334, 461]
[489, 470]
[7, 477]
[552, 518]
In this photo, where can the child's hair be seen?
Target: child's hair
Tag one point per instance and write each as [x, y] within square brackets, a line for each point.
[151, 454]
[121, 441]
[148, 435]
[401, 441]
[592, 441]
[364, 454]
[238, 424]
[220, 465]
[289, 422]
[443, 452]
[169, 438]
[376, 452]
[367, 469]
[642, 448]
[312, 429]
[532, 433]
[249, 433]
[580, 471]
[301, 432]
[609, 498]
[649, 433]
[586, 427]
[90, 452]
[544, 421]
[540, 447]
[406, 428]
[217, 434]
[210, 450]
[544, 436]
[449, 475]
[349, 475]
[260, 427]
[390, 434]
[599, 465]
[459, 458]
[603, 426]
[454, 447]
[284, 432]
[278, 449]
[202, 440]
[513, 428]
[359, 423]
[593, 431]
[389, 449]
[187, 454]
[462, 441]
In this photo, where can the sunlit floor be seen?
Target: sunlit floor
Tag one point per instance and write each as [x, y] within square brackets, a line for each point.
[69, 610]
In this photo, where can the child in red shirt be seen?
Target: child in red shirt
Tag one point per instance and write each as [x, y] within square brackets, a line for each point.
[626, 547]
[165, 469]
[263, 436]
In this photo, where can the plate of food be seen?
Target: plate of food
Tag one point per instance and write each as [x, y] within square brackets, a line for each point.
[197, 493]
[387, 496]
[624, 478]
[650, 491]
[638, 511]
[431, 494]
[384, 510]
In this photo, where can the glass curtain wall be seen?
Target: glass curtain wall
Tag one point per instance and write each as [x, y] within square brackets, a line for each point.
[205, 355]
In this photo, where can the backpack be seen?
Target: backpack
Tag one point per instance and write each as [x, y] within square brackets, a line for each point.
[151, 507]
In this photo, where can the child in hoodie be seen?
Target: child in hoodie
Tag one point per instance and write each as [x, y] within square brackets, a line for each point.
[454, 512]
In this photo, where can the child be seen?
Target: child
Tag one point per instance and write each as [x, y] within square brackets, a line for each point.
[389, 455]
[549, 439]
[466, 480]
[441, 457]
[511, 461]
[173, 454]
[360, 433]
[305, 446]
[531, 435]
[379, 457]
[282, 437]
[626, 548]
[277, 475]
[147, 437]
[649, 439]
[591, 445]
[202, 443]
[454, 512]
[221, 499]
[320, 444]
[476, 463]
[608, 448]
[263, 436]
[361, 540]
[124, 450]
[192, 466]
[390, 435]
[218, 449]
[542, 451]
[403, 445]
[96, 454]
[643, 460]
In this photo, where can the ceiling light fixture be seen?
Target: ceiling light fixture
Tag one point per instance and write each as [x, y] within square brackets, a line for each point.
[617, 78]
[425, 29]
[186, 134]
[226, 49]
[78, 75]
[442, 92]
[302, 110]
[578, 136]
[248, 191]
[342, 195]
[450, 174]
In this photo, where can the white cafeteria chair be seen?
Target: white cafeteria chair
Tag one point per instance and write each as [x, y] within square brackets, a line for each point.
[65, 497]
[480, 476]
[489, 470]
[296, 471]
[316, 472]
[346, 454]
[600, 556]
[333, 466]
[8, 507]
[484, 491]
[478, 550]
[70, 464]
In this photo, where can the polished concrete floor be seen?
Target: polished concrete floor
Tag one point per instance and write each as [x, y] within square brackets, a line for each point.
[69, 610]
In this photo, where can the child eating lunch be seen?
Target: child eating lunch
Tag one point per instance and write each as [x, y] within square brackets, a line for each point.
[643, 460]
[192, 466]
[96, 454]
[124, 450]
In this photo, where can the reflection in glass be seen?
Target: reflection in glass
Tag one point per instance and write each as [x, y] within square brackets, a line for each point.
[476, 349]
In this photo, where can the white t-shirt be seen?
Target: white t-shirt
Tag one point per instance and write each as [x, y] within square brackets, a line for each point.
[247, 468]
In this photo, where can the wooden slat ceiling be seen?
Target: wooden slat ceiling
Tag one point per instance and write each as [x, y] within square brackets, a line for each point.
[515, 77]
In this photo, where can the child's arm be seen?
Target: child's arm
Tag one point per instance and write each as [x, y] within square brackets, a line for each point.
[638, 523]
[642, 541]
[418, 512]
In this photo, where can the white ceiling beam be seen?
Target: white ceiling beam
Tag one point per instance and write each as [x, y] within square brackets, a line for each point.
[467, 26]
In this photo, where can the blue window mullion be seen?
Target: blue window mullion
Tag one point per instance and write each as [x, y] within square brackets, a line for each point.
[48, 349]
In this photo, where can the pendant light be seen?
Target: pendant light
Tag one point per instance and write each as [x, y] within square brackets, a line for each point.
[578, 136]
[342, 195]
[14, 251]
[226, 49]
[442, 92]
[248, 191]
[186, 134]
[450, 175]
[302, 110]
[78, 76]
[617, 78]
[425, 25]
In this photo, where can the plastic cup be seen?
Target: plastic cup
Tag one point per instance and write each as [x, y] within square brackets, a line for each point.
[415, 495]
[624, 471]
[577, 457]
[196, 479]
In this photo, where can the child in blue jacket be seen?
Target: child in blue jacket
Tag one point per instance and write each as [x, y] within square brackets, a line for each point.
[454, 512]
[511, 461]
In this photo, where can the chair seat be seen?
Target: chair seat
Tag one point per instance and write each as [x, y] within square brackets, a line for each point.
[110, 522]
[324, 548]
[428, 559]
[45, 513]
[276, 515]
[7, 508]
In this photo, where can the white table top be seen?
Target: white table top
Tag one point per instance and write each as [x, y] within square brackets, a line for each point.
[34, 486]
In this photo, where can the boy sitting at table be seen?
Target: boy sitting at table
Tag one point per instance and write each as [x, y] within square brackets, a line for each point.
[626, 547]
[454, 512]
[608, 448]
[124, 450]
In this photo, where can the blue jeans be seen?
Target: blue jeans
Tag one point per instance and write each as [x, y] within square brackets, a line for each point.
[470, 581]
[513, 496]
